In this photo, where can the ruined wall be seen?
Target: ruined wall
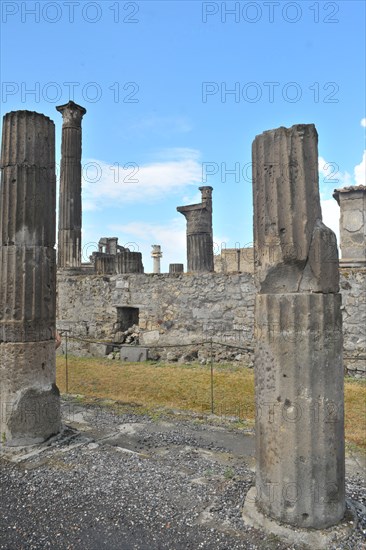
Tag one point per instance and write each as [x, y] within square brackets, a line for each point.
[353, 289]
[173, 309]
[187, 308]
[232, 260]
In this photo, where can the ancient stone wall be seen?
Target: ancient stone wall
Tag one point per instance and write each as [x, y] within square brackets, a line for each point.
[353, 289]
[182, 308]
[232, 260]
[174, 309]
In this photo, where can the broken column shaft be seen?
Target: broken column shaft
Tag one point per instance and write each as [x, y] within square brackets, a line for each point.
[298, 327]
[199, 232]
[69, 229]
[30, 410]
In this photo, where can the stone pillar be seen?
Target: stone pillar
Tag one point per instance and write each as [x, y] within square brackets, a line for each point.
[298, 327]
[156, 254]
[129, 262]
[199, 232]
[352, 225]
[69, 227]
[176, 268]
[112, 245]
[29, 398]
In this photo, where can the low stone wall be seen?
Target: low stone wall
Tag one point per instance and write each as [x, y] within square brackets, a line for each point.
[177, 312]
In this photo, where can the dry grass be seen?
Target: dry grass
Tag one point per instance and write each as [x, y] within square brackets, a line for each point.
[187, 387]
[355, 411]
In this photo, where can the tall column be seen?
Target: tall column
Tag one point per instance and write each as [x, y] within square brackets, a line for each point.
[199, 232]
[298, 327]
[30, 409]
[69, 227]
[156, 254]
[352, 225]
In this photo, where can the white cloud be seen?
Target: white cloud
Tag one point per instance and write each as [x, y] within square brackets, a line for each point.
[363, 122]
[105, 184]
[330, 176]
[360, 171]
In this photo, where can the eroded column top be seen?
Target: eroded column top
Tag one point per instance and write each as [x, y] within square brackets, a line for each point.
[72, 114]
[294, 250]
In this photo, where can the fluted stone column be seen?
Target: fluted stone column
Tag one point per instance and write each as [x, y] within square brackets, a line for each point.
[30, 409]
[352, 225]
[298, 329]
[156, 255]
[69, 227]
[129, 262]
[176, 268]
[199, 232]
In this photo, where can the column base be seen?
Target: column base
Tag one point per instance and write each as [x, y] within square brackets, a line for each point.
[29, 397]
[316, 539]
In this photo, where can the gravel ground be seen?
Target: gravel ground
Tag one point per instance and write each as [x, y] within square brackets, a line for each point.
[126, 481]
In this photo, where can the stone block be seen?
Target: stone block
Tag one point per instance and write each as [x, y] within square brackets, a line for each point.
[134, 354]
[150, 338]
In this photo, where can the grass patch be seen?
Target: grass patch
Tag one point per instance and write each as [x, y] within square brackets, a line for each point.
[355, 411]
[187, 388]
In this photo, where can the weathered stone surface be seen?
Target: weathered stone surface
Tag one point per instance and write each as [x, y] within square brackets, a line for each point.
[27, 293]
[123, 262]
[29, 401]
[156, 254]
[87, 306]
[298, 329]
[299, 404]
[69, 229]
[235, 260]
[352, 202]
[133, 354]
[176, 268]
[30, 408]
[353, 288]
[129, 262]
[112, 258]
[173, 309]
[199, 232]
[28, 180]
[294, 250]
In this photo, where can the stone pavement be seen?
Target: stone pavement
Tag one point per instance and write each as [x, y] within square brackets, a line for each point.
[117, 479]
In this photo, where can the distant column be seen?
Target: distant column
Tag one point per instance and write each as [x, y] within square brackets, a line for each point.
[29, 398]
[298, 327]
[69, 229]
[199, 232]
[176, 268]
[156, 254]
[352, 225]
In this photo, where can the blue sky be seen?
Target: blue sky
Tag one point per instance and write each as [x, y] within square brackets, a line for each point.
[175, 93]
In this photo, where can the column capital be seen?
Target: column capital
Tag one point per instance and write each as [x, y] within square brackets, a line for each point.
[72, 114]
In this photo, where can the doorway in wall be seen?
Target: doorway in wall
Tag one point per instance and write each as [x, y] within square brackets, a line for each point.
[127, 317]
